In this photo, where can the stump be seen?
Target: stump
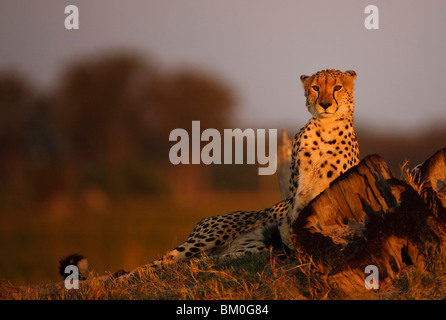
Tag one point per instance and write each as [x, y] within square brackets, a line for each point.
[367, 217]
[430, 178]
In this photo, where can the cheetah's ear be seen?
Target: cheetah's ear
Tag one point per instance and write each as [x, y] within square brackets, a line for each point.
[351, 73]
[303, 78]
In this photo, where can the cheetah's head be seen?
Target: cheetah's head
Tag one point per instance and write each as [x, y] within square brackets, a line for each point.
[330, 93]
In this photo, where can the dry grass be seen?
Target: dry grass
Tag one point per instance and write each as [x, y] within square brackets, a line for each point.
[409, 176]
[251, 277]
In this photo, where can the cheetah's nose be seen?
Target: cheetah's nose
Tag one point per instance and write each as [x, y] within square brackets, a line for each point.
[325, 105]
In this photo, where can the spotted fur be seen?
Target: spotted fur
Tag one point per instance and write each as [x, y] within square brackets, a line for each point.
[322, 150]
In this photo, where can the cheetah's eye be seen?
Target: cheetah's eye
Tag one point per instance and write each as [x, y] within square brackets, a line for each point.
[337, 88]
[315, 88]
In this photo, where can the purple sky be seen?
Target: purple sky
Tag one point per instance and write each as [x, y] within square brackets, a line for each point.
[259, 47]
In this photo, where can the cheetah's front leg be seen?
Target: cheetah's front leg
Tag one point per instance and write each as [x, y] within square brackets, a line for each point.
[308, 188]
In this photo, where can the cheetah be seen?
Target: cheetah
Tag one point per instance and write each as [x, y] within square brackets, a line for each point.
[322, 150]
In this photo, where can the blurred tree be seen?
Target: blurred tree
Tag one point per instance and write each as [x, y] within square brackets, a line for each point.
[176, 100]
[179, 98]
[100, 107]
[118, 110]
[16, 97]
[16, 100]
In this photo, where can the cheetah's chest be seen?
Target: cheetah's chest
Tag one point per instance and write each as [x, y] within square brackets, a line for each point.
[327, 150]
